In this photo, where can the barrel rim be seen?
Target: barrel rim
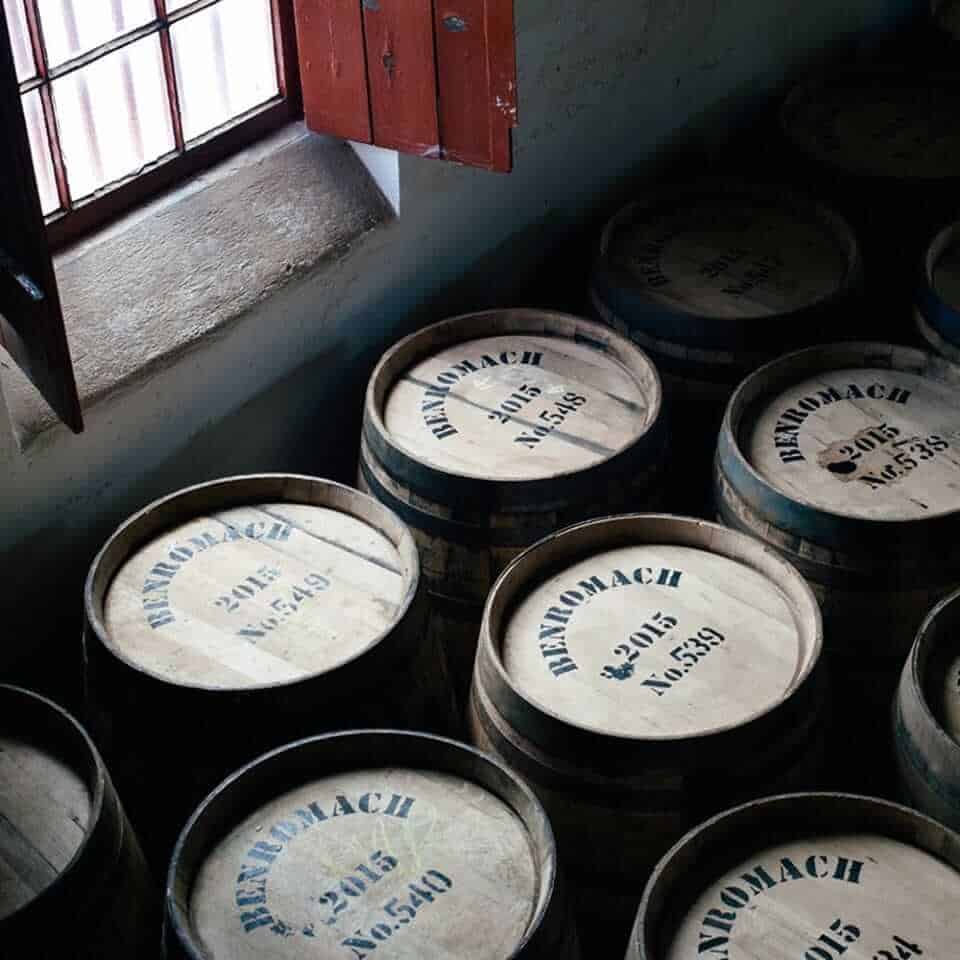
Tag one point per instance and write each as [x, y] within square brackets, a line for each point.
[662, 319]
[489, 650]
[783, 808]
[937, 313]
[93, 605]
[859, 73]
[834, 527]
[927, 638]
[546, 858]
[479, 325]
[934, 341]
[95, 778]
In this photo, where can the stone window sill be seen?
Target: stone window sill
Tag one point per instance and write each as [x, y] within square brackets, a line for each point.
[140, 294]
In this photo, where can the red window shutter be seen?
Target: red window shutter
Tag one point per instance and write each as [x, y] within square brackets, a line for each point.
[402, 75]
[477, 80]
[31, 321]
[333, 68]
[431, 77]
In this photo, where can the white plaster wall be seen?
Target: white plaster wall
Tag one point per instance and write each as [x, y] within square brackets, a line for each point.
[604, 84]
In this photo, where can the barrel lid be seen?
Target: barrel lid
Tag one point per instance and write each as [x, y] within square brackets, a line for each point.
[859, 894]
[268, 591]
[422, 862]
[659, 638]
[722, 252]
[879, 122]
[871, 442]
[512, 396]
[46, 805]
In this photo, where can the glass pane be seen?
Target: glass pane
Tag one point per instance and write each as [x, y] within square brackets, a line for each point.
[177, 4]
[71, 27]
[113, 116]
[225, 63]
[19, 39]
[40, 148]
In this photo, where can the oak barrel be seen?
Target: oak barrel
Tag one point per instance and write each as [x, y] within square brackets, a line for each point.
[713, 279]
[73, 881]
[367, 842]
[938, 294]
[926, 717]
[488, 431]
[809, 876]
[642, 672]
[846, 459]
[236, 615]
[881, 141]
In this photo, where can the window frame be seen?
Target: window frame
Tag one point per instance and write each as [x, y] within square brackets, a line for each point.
[188, 158]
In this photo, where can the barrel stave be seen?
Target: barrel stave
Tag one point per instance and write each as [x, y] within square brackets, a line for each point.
[96, 898]
[925, 712]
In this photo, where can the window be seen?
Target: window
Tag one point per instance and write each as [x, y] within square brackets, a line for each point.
[105, 102]
[122, 97]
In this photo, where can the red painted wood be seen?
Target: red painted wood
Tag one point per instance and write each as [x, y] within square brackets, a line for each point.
[402, 75]
[476, 69]
[333, 71]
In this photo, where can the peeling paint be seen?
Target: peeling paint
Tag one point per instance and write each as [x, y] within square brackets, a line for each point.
[455, 24]
[373, 5]
[507, 107]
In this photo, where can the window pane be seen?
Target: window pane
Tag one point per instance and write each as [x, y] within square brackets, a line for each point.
[225, 63]
[113, 116]
[40, 148]
[19, 39]
[71, 27]
[177, 4]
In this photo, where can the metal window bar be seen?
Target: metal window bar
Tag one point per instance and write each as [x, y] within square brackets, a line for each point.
[73, 218]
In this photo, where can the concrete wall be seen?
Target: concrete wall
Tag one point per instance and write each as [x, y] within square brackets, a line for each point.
[610, 92]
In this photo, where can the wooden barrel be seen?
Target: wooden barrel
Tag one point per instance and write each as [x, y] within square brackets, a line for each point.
[642, 672]
[488, 431]
[357, 843]
[236, 615]
[714, 279]
[938, 294]
[882, 142]
[846, 459]
[73, 882]
[809, 876]
[926, 717]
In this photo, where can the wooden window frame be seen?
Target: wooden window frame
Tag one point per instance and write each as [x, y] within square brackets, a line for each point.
[76, 218]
